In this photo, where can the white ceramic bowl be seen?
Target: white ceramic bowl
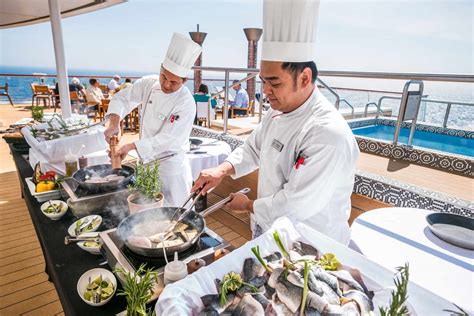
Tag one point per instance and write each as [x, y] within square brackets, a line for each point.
[71, 229]
[93, 274]
[57, 203]
[92, 250]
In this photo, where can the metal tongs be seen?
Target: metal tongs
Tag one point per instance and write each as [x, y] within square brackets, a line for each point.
[176, 219]
[93, 236]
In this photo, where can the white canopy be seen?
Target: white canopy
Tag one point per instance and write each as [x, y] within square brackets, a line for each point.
[15, 13]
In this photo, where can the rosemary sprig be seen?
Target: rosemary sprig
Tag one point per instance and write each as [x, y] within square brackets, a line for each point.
[256, 252]
[399, 296]
[138, 290]
[277, 238]
[459, 312]
[305, 288]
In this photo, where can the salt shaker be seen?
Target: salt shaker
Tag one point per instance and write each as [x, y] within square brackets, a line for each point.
[175, 270]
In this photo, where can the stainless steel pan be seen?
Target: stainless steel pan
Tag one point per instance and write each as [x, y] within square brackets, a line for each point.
[147, 224]
[83, 174]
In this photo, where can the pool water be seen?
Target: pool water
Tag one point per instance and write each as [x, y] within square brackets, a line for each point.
[440, 142]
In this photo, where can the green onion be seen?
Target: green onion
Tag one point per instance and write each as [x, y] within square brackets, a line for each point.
[276, 236]
[305, 289]
[256, 252]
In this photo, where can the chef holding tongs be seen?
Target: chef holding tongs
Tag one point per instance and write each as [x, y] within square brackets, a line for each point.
[303, 148]
[167, 110]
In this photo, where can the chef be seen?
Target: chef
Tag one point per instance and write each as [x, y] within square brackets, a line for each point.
[304, 150]
[167, 110]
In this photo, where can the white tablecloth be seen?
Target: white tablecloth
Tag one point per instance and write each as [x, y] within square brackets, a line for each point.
[210, 154]
[393, 236]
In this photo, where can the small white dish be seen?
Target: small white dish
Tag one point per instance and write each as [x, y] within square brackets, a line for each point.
[57, 203]
[92, 250]
[42, 196]
[95, 219]
[93, 274]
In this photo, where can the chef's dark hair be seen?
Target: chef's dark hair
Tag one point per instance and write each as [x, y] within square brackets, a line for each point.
[296, 68]
[92, 81]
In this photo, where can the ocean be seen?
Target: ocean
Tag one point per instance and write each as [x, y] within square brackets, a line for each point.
[461, 116]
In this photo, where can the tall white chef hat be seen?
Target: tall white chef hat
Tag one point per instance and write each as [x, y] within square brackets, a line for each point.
[289, 30]
[181, 55]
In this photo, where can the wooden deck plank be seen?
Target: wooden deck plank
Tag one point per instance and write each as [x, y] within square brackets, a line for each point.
[20, 296]
[16, 224]
[23, 284]
[19, 249]
[31, 303]
[18, 266]
[11, 260]
[18, 275]
[13, 220]
[15, 230]
[48, 309]
[17, 235]
[18, 242]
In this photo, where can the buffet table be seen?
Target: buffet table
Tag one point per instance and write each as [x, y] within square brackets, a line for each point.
[393, 236]
[64, 263]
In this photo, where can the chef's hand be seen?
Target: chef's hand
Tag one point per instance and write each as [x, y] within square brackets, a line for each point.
[240, 203]
[123, 150]
[210, 178]
[114, 127]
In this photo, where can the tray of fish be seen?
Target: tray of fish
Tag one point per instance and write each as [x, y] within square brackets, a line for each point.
[271, 274]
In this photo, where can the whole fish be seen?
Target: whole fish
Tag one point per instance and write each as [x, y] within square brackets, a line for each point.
[345, 277]
[248, 306]
[327, 278]
[364, 303]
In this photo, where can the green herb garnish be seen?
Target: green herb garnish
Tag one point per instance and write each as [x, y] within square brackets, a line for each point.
[256, 252]
[305, 288]
[277, 238]
[147, 180]
[230, 283]
[399, 296]
[138, 290]
[329, 262]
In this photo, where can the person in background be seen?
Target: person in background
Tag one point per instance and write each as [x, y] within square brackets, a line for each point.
[167, 110]
[303, 149]
[126, 84]
[203, 96]
[241, 99]
[114, 84]
[94, 95]
[79, 103]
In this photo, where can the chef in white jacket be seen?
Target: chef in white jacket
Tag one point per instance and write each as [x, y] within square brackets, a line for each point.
[167, 110]
[304, 149]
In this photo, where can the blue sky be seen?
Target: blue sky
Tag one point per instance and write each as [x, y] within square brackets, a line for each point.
[433, 36]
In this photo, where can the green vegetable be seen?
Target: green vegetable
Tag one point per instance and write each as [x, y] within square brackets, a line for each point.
[305, 288]
[99, 286]
[276, 236]
[329, 262]
[256, 252]
[230, 283]
[147, 180]
[399, 296]
[138, 290]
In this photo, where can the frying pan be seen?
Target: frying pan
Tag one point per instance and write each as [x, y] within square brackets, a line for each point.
[454, 229]
[103, 170]
[147, 223]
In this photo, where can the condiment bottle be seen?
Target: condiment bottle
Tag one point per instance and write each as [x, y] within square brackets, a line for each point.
[115, 159]
[82, 162]
[70, 161]
[175, 270]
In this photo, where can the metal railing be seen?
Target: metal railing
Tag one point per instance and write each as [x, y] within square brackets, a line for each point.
[253, 72]
[449, 104]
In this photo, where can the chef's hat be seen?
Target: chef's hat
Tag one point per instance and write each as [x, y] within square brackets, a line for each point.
[289, 30]
[181, 55]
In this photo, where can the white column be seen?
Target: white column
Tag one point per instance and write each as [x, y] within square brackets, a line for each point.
[61, 69]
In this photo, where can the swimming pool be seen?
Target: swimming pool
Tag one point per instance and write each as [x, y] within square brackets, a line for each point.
[440, 142]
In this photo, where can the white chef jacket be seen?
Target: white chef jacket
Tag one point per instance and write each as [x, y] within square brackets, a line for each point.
[165, 126]
[318, 191]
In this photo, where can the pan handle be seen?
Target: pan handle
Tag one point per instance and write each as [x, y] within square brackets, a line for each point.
[220, 204]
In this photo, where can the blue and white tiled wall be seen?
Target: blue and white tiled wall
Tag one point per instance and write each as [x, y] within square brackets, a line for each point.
[428, 158]
[379, 188]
